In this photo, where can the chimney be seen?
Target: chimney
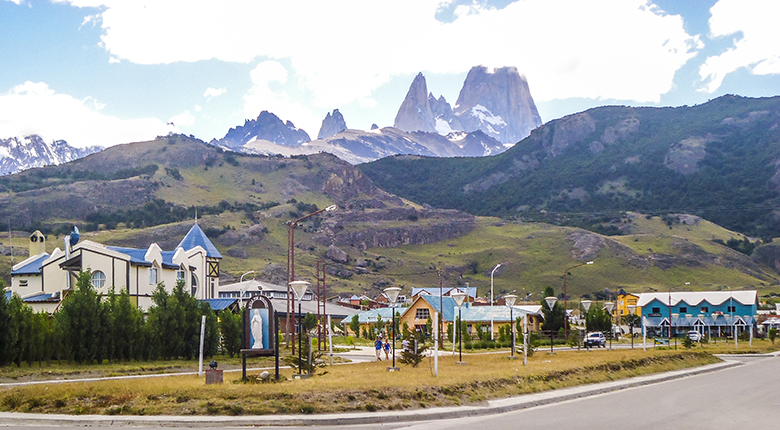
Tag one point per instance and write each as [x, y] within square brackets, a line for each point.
[37, 243]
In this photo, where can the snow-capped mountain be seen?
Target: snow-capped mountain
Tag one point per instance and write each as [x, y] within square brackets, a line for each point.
[266, 127]
[499, 103]
[22, 153]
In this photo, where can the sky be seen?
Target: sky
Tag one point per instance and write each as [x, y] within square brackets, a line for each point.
[105, 72]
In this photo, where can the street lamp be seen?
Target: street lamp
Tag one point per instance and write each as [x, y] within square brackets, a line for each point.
[459, 297]
[609, 306]
[586, 305]
[566, 298]
[491, 299]
[510, 301]
[291, 266]
[550, 304]
[631, 309]
[299, 287]
[243, 289]
[392, 295]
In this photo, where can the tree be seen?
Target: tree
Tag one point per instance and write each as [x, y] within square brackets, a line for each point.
[354, 325]
[126, 327]
[230, 328]
[6, 337]
[79, 321]
[211, 341]
[553, 319]
[772, 334]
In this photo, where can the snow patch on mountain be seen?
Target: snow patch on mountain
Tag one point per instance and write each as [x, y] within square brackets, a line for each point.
[27, 152]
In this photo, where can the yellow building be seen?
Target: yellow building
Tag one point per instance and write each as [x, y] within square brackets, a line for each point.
[623, 301]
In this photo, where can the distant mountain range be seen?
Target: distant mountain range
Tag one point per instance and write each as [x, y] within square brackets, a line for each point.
[494, 110]
[21, 153]
[719, 160]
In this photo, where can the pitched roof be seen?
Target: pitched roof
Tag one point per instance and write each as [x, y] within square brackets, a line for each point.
[44, 297]
[434, 291]
[370, 316]
[137, 256]
[693, 298]
[219, 304]
[8, 295]
[196, 237]
[32, 267]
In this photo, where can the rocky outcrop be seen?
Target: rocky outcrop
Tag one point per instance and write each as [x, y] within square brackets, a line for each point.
[267, 127]
[381, 229]
[332, 125]
[498, 103]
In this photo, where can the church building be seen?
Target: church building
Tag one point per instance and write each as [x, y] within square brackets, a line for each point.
[43, 279]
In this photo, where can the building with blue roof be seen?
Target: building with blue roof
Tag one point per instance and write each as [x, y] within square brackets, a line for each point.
[195, 261]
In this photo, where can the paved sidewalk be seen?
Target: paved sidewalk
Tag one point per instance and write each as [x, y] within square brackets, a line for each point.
[492, 407]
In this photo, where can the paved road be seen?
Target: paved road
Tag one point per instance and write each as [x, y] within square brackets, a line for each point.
[727, 398]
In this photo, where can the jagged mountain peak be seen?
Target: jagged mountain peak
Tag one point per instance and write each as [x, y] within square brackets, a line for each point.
[268, 127]
[27, 152]
[497, 101]
[332, 125]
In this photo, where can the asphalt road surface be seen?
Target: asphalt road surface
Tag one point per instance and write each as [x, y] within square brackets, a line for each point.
[740, 397]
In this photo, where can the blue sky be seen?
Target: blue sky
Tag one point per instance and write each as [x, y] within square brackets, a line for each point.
[104, 72]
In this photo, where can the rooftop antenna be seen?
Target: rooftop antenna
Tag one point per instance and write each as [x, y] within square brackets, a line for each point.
[196, 216]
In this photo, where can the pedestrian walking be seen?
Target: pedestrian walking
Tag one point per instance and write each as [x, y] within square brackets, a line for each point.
[387, 349]
[378, 347]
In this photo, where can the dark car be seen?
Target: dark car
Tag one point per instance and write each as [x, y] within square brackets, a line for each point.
[595, 339]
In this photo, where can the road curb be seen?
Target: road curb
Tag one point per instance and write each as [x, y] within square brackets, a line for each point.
[493, 407]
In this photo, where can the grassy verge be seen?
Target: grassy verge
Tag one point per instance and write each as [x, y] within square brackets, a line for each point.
[359, 387]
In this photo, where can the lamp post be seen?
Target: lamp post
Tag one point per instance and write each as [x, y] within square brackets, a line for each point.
[631, 309]
[491, 300]
[510, 301]
[392, 295]
[566, 298]
[551, 304]
[291, 266]
[243, 289]
[299, 287]
[609, 306]
[586, 305]
[459, 297]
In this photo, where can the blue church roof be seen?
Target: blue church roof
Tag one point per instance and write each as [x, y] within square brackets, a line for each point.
[137, 256]
[31, 268]
[196, 237]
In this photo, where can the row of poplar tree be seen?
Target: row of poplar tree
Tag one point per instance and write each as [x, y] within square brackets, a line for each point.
[89, 328]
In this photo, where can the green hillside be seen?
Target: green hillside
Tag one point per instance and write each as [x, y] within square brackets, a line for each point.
[717, 160]
[136, 194]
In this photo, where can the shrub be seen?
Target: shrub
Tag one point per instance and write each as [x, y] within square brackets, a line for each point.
[772, 334]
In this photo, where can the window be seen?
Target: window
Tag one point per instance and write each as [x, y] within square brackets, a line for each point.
[683, 309]
[731, 309]
[194, 285]
[704, 309]
[181, 273]
[423, 314]
[153, 275]
[23, 282]
[98, 279]
[656, 310]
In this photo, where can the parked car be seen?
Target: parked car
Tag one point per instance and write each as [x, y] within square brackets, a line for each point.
[595, 339]
[694, 336]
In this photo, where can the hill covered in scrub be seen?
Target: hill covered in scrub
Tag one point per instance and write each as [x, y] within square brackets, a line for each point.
[145, 192]
[718, 161]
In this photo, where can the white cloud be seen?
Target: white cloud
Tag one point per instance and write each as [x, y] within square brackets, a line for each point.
[184, 118]
[341, 52]
[757, 48]
[266, 76]
[214, 92]
[34, 108]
